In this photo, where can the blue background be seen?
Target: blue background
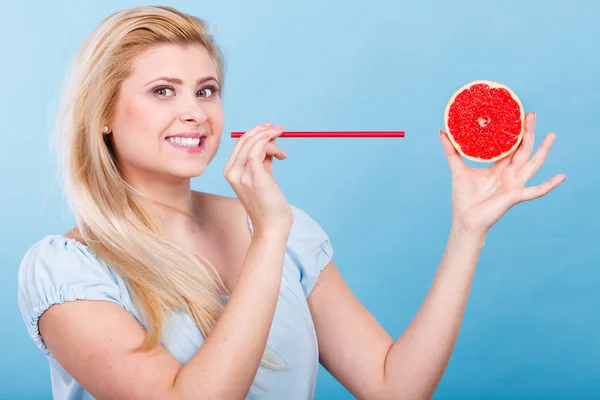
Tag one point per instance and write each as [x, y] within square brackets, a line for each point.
[532, 324]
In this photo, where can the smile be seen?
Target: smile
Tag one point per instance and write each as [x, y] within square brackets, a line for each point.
[193, 145]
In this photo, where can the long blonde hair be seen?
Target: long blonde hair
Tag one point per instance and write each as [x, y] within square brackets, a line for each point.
[111, 215]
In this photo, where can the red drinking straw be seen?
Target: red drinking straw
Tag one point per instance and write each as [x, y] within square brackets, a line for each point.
[336, 134]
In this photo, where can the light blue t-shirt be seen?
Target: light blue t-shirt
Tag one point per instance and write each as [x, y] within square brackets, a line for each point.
[58, 269]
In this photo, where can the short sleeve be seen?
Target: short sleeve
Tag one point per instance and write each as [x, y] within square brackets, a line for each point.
[309, 247]
[56, 270]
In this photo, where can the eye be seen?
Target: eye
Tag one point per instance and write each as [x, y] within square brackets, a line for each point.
[207, 91]
[164, 91]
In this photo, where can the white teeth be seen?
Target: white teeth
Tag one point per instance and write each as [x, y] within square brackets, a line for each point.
[188, 142]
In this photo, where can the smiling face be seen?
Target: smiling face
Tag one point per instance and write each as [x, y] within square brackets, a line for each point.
[168, 116]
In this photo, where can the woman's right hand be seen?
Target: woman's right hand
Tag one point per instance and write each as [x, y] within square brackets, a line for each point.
[249, 172]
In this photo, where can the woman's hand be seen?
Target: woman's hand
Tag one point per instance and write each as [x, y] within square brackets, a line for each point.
[249, 172]
[481, 196]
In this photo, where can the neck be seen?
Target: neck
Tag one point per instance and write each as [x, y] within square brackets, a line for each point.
[177, 220]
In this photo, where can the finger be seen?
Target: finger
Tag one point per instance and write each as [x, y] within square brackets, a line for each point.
[237, 164]
[274, 151]
[243, 139]
[257, 153]
[263, 148]
[533, 165]
[523, 152]
[240, 142]
[455, 162]
[257, 158]
[534, 192]
[264, 137]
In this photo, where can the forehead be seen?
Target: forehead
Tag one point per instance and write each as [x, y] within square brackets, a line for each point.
[188, 63]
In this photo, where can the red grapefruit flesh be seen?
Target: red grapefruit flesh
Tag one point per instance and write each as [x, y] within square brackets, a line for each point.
[485, 121]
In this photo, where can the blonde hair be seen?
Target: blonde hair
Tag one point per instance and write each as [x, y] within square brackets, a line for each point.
[112, 216]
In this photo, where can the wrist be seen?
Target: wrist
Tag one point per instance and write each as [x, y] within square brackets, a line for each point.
[474, 237]
[271, 236]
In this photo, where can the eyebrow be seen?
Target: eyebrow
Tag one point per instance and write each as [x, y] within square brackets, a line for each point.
[178, 81]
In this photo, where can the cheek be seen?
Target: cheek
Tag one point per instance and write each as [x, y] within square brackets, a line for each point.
[142, 119]
[138, 128]
[216, 117]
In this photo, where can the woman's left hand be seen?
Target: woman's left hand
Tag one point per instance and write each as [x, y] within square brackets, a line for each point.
[481, 196]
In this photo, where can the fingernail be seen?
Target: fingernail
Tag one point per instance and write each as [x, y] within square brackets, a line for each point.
[268, 124]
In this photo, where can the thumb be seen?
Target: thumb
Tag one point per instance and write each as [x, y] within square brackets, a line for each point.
[455, 162]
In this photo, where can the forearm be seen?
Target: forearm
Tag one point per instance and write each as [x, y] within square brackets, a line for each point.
[417, 360]
[226, 364]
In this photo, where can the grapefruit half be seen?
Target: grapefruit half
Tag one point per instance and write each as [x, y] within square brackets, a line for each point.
[485, 121]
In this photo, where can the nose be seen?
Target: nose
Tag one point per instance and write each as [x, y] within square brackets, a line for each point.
[193, 112]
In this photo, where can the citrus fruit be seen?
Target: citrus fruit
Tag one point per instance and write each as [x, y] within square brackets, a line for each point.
[485, 121]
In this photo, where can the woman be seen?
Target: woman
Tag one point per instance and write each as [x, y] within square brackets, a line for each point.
[189, 295]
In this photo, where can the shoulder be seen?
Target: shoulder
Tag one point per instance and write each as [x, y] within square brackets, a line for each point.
[60, 252]
[309, 248]
[305, 226]
[74, 234]
[230, 210]
[57, 269]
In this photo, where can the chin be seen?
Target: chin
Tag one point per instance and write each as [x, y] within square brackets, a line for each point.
[185, 168]
[188, 173]
[174, 170]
